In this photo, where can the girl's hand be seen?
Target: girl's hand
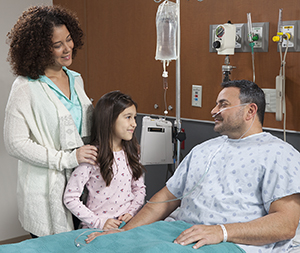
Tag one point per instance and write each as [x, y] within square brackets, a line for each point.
[111, 223]
[87, 154]
[125, 217]
[92, 236]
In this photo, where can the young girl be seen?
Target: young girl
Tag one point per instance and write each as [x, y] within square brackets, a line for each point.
[116, 185]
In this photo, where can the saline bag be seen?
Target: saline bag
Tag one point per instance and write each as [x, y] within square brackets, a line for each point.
[166, 28]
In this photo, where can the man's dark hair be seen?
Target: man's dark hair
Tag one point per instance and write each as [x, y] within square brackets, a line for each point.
[250, 93]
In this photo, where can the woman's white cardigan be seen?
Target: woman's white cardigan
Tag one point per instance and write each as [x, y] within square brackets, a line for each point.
[40, 132]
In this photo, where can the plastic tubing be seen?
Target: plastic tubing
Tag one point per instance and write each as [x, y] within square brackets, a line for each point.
[78, 244]
[284, 102]
[249, 24]
[253, 66]
[279, 21]
[228, 108]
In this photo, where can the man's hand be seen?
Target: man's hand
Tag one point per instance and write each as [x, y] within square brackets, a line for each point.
[202, 234]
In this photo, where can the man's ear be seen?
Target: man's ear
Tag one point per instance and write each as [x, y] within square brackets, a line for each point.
[252, 110]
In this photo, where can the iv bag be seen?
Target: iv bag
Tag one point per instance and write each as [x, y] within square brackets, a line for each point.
[166, 29]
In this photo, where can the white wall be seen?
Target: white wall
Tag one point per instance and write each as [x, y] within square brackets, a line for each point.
[10, 227]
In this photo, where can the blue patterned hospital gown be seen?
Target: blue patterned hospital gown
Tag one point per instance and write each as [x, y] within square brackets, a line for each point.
[239, 179]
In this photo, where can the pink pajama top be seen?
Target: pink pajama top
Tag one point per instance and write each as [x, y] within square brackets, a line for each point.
[123, 195]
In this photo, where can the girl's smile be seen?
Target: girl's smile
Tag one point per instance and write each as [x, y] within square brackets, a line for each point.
[124, 127]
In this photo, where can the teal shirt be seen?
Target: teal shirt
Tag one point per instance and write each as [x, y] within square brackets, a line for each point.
[73, 105]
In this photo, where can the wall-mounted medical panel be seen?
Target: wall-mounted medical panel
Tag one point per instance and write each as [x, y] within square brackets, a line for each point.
[293, 28]
[261, 44]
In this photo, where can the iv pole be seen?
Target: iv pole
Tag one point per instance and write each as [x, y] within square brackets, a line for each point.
[178, 121]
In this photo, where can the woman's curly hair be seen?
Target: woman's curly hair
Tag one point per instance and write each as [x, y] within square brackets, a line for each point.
[30, 39]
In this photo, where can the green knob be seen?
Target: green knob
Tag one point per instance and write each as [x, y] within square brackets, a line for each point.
[255, 37]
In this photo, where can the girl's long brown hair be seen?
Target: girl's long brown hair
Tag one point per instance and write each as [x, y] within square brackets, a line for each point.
[105, 115]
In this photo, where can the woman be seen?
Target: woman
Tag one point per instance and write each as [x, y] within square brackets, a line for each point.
[47, 117]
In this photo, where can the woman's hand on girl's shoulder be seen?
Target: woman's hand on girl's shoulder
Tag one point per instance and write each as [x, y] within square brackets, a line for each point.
[87, 154]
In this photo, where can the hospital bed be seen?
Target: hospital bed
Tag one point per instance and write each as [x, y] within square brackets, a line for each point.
[157, 237]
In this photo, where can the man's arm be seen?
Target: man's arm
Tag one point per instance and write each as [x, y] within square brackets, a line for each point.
[280, 224]
[150, 213]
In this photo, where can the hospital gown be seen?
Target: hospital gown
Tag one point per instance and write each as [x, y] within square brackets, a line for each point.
[228, 181]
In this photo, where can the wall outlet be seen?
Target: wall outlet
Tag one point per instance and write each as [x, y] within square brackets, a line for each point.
[197, 95]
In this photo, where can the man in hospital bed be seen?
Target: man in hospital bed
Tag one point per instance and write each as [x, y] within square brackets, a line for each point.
[242, 187]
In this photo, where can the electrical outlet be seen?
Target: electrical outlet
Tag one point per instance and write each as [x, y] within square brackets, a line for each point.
[197, 95]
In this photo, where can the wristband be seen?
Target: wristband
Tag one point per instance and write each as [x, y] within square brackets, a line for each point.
[224, 233]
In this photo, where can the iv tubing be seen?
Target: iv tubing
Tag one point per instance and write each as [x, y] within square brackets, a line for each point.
[284, 102]
[165, 84]
[253, 66]
[282, 73]
[165, 100]
[78, 244]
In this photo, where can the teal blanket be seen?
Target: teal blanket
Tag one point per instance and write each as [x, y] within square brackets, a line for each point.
[157, 237]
